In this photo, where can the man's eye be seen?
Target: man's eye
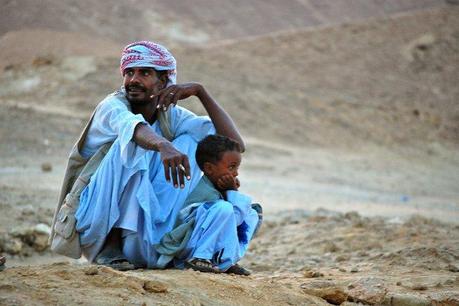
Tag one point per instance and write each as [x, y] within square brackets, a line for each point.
[146, 73]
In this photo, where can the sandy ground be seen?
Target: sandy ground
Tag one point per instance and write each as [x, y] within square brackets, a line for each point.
[358, 179]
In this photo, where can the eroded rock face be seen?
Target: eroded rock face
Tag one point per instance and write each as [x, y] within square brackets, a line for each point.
[327, 290]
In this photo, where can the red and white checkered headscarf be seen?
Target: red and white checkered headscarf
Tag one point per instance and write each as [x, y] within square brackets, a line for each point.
[149, 54]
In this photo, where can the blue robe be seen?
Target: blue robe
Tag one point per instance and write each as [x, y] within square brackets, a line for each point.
[129, 190]
[210, 227]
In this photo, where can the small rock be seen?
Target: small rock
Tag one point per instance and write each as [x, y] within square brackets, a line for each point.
[420, 287]
[354, 269]
[452, 268]
[352, 215]
[28, 210]
[92, 270]
[155, 286]
[312, 274]
[368, 290]
[330, 247]
[399, 299]
[46, 167]
[42, 228]
[13, 246]
[341, 258]
[342, 270]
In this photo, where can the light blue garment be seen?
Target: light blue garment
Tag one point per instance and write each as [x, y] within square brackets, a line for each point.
[215, 235]
[129, 190]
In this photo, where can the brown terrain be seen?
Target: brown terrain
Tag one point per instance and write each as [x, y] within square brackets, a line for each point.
[351, 117]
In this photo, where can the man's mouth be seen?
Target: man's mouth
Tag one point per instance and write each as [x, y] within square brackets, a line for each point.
[135, 89]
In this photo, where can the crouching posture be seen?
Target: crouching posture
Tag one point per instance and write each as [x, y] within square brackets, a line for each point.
[129, 174]
[215, 226]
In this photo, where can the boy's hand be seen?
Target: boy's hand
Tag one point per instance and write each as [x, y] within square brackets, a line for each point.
[228, 182]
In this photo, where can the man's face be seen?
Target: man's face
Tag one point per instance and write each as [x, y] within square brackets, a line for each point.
[140, 83]
[228, 164]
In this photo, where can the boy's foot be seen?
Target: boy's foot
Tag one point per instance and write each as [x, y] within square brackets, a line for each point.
[237, 269]
[202, 265]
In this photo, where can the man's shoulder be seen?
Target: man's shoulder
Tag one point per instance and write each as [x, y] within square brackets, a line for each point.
[114, 100]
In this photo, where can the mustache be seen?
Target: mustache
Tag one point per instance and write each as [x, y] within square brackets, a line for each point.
[131, 87]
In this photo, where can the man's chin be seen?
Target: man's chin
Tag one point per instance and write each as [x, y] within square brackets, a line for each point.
[137, 98]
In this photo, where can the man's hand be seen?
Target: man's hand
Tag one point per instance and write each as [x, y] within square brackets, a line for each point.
[228, 182]
[175, 164]
[170, 95]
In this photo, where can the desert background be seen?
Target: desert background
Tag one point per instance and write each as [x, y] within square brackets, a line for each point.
[350, 112]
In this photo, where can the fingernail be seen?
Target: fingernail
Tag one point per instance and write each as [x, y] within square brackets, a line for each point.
[188, 177]
[164, 108]
[158, 106]
[182, 186]
[175, 185]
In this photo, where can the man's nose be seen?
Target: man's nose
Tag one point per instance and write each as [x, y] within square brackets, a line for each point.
[134, 77]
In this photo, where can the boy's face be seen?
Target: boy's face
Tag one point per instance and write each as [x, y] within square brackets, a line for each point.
[228, 164]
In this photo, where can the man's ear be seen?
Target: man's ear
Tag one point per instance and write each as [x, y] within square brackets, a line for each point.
[208, 168]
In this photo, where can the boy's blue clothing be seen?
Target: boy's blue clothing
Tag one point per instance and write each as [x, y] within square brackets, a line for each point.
[207, 228]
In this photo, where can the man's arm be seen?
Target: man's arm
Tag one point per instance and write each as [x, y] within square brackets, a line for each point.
[175, 163]
[223, 123]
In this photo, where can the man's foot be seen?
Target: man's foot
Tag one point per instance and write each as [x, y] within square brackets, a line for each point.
[114, 259]
[238, 270]
[202, 265]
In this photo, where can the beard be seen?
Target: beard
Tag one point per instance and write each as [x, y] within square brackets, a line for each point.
[138, 94]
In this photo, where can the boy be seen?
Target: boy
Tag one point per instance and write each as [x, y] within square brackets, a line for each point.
[225, 240]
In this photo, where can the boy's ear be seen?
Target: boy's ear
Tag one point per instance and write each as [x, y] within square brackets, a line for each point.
[208, 168]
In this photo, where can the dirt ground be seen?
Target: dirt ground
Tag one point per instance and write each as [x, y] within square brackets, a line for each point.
[352, 148]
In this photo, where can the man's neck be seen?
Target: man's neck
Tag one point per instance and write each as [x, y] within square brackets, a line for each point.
[148, 111]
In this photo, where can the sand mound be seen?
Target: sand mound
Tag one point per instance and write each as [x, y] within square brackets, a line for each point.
[27, 47]
[299, 258]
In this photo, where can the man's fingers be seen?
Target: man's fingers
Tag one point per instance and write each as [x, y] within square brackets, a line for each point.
[181, 176]
[174, 175]
[175, 98]
[166, 171]
[168, 100]
[186, 165]
[161, 97]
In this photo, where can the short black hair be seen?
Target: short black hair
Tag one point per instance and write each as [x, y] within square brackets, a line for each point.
[211, 148]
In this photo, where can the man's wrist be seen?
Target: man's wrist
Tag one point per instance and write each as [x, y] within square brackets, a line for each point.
[162, 145]
[201, 93]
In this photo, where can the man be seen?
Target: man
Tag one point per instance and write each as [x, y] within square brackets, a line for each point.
[134, 197]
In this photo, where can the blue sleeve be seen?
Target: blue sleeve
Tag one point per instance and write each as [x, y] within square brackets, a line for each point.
[113, 121]
[242, 204]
